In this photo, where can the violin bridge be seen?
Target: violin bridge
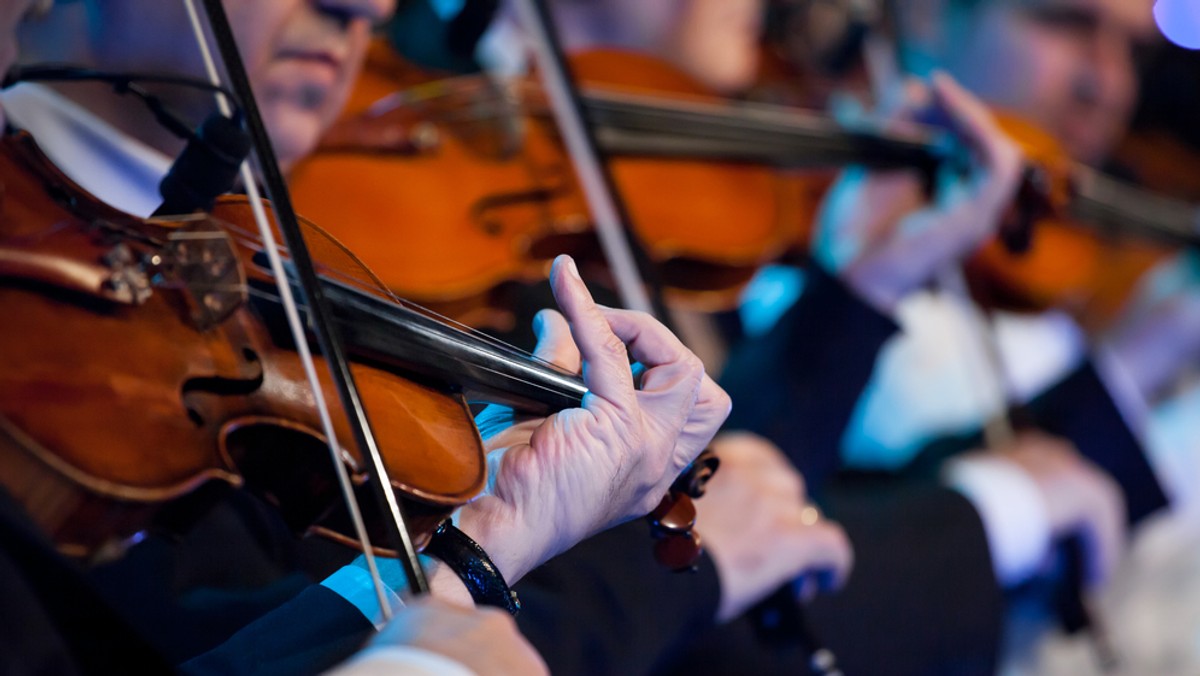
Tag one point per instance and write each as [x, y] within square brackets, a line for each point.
[201, 260]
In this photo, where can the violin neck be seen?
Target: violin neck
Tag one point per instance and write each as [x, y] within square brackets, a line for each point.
[636, 125]
[379, 330]
[1119, 208]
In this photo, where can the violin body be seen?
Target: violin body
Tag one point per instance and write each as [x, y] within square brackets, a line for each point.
[476, 178]
[1070, 263]
[474, 201]
[709, 225]
[138, 373]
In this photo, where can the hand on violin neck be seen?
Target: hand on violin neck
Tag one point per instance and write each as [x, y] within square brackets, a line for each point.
[556, 480]
[1080, 498]
[758, 527]
[880, 233]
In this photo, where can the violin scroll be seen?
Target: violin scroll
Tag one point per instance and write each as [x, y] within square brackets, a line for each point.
[677, 546]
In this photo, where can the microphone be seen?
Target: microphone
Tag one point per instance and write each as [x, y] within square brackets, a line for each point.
[207, 167]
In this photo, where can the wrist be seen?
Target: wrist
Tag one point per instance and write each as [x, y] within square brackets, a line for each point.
[508, 544]
[445, 584]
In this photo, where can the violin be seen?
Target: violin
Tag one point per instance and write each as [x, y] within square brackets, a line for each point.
[484, 161]
[1075, 238]
[689, 166]
[1095, 238]
[168, 324]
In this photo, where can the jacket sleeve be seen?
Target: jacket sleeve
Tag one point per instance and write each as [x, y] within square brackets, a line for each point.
[1080, 408]
[921, 600]
[607, 607]
[307, 635]
[798, 385]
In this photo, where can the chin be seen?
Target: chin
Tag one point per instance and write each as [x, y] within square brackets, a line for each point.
[294, 135]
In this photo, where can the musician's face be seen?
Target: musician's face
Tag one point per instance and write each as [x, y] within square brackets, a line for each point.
[1068, 64]
[302, 55]
[11, 13]
[714, 41]
[717, 41]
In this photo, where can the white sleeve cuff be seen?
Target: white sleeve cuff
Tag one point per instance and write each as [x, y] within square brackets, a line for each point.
[355, 585]
[1012, 510]
[400, 660]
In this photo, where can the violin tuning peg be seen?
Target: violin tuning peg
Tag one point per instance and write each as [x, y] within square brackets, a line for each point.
[672, 524]
[695, 477]
[678, 552]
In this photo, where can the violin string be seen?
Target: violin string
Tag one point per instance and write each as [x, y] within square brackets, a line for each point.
[502, 346]
[274, 298]
[640, 119]
[377, 285]
[298, 334]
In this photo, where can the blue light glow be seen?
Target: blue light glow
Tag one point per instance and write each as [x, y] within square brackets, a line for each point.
[1179, 21]
[772, 291]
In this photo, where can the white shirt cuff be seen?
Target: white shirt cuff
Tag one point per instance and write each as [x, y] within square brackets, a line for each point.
[400, 660]
[1012, 510]
[355, 585]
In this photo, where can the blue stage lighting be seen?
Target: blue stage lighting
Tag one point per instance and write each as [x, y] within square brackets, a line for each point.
[1179, 21]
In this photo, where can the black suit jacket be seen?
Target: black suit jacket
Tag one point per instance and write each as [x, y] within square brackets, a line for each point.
[798, 384]
[604, 607]
[53, 621]
[607, 607]
[923, 598]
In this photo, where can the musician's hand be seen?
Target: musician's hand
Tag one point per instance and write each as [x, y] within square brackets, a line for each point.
[484, 640]
[1080, 499]
[556, 480]
[755, 522]
[878, 232]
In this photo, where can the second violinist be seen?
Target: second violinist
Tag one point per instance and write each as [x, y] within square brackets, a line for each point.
[881, 243]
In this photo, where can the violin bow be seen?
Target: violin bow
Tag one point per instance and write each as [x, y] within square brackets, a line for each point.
[637, 283]
[620, 244]
[677, 545]
[319, 315]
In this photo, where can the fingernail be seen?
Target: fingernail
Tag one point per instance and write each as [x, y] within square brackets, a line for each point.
[569, 267]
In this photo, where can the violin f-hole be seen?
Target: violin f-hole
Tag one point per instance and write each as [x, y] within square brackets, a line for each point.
[194, 388]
